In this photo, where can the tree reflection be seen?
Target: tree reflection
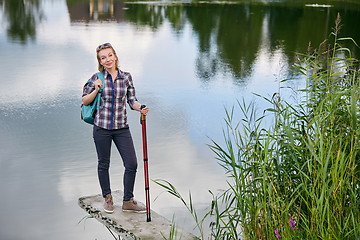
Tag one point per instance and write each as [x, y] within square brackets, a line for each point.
[230, 36]
[239, 37]
[22, 17]
[204, 22]
[175, 15]
[145, 15]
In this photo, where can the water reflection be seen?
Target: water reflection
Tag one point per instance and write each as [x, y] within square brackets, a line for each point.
[22, 18]
[230, 36]
[102, 10]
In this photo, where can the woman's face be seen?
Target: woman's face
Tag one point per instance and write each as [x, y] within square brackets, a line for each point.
[107, 58]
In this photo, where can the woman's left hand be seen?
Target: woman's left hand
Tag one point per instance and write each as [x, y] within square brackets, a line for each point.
[144, 110]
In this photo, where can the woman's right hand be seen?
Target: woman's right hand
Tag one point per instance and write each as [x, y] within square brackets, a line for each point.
[98, 84]
[89, 98]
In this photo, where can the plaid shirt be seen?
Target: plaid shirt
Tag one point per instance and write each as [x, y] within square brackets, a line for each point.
[112, 109]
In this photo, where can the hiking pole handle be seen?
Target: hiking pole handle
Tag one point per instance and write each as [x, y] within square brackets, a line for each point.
[143, 117]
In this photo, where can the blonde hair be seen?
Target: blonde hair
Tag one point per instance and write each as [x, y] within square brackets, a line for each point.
[104, 46]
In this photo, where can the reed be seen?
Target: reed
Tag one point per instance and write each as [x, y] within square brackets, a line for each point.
[299, 178]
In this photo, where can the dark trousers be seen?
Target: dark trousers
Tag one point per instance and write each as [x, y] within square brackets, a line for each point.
[123, 141]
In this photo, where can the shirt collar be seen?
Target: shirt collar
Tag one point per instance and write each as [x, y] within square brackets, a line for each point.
[106, 73]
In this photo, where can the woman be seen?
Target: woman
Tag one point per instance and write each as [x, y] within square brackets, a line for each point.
[110, 124]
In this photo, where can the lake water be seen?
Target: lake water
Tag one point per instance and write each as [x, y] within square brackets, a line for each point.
[188, 61]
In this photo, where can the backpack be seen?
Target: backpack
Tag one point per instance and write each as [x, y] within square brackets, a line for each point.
[88, 112]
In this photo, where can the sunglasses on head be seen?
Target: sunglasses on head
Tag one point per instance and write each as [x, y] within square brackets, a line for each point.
[103, 46]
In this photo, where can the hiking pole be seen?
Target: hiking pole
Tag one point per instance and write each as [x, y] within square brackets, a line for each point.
[146, 171]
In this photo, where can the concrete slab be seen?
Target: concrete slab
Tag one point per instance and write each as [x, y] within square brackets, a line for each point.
[130, 225]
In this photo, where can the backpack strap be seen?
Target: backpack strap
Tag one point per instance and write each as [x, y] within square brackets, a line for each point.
[101, 76]
[97, 98]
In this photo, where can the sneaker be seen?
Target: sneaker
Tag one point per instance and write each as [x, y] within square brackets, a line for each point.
[108, 205]
[132, 206]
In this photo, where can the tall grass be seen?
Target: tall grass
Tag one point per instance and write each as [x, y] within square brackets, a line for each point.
[298, 179]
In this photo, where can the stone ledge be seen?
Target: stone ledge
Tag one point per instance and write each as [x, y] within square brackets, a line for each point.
[130, 225]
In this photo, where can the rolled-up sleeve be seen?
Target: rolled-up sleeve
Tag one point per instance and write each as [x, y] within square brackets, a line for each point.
[90, 86]
[131, 98]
